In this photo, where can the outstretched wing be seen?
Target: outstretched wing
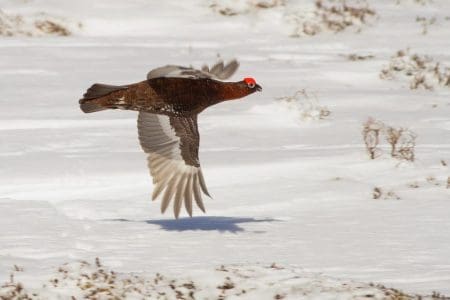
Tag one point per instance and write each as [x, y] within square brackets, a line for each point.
[172, 147]
[219, 71]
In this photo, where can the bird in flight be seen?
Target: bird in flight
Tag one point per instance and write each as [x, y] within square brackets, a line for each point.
[168, 102]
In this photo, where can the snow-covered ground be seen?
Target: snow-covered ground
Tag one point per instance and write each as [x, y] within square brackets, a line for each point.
[286, 190]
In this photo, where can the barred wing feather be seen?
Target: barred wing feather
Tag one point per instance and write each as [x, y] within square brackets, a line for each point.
[172, 146]
[218, 71]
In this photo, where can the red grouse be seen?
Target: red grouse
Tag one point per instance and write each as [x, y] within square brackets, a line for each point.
[168, 103]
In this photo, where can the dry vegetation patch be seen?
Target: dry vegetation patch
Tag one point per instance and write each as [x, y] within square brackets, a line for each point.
[83, 280]
[333, 16]
[425, 23]
[323, 16]
[304, 106]
[379, 193]
[402, 141]
[359, 57]
[242, 7]
[421, 2]
[420, 71]
[35, 25]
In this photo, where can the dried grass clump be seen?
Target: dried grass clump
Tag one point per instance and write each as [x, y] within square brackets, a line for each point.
[11, 25]
[402, 141]
[421, 2]
[35, 25]
[14, 290]
[421, 71]
[51, 28]
[371, 136]
[97, 282]
[358, 57]
[305, 106]
[431, 180]
[379, 193]
[333, 16]
[242, 7]
[425, 23]
[83, 280]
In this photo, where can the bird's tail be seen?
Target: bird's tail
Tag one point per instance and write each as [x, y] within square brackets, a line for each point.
[93, 100]
[92, 105]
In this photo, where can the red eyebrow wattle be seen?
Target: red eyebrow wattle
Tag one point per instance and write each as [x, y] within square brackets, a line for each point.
[249, 80]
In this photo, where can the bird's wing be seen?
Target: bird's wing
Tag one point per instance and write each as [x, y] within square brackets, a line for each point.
[172, 147]
[218, 71]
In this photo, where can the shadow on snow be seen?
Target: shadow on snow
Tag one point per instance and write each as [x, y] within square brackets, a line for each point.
[222, 224]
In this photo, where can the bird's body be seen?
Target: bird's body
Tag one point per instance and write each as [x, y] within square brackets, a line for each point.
[168, 103]
[164, 95]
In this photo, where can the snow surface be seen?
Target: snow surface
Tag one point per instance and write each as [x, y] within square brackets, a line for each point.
[286, 190]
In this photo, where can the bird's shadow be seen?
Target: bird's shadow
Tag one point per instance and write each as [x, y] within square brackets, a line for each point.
[213, 223]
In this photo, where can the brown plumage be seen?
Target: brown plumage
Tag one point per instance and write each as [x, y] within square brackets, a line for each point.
[168, 103]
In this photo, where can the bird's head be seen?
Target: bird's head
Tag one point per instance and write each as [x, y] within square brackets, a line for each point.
[235, 90]
[249, 84]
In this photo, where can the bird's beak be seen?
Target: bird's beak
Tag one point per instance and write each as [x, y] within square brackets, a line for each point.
[258, 88]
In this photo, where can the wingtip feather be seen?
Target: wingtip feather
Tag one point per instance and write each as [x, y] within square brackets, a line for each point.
[197, 193]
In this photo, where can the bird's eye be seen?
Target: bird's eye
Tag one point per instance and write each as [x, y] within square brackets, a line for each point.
[251, 85]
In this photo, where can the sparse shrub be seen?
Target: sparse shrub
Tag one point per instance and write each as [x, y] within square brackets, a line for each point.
[371, 136]
[305, 106]
[433, 181]
[82, 280]
[14, 290]
[401, 140]
[421, 2]
[35, 25]
[95, 281]
[52, 28]
[333, 16]
[242, 7]
[358, 57]
[392, 195]
[425, 23]
[414, 185]
[325, 15]
[421, 71]
[378, 193]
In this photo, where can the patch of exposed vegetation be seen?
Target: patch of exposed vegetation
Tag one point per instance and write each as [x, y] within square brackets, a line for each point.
[333, 16]
[305, 106]
[379, 193]
[402, 141]
[421, 2]
[52, 28]
[435, 182]
[234, 8]
[36, 25]
[425, 23]
[421, 71]
[358, 57]
[83, 280]
[371, 136]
